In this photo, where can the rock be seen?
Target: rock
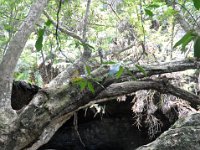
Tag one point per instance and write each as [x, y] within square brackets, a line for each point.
[183, 135]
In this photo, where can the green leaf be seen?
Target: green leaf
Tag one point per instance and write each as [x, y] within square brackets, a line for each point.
[188, 40]
[196, 4]
[109, 63]
[21, 76]
[188, 37]
[88, 70]
[130, 73]
[83, 84]
[170, 12]
[183, 49]
[197, 47]
[48, 23]
[141, 69]
[119, 73]
[77, 44]
[153, 5]
[38, 43]
[8, 27]
[148, 12]
[91, 87]
[41, 32]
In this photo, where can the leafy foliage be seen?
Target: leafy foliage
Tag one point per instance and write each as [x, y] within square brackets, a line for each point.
[196, 4]
[187, 38]
[39, 42]
[112, 26]
[197, 47]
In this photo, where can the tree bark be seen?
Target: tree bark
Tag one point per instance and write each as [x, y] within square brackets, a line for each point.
[8, 116]
[53, 106]
[36, 123]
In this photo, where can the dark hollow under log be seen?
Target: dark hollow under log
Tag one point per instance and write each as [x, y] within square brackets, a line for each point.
[112, 131]
[22, 94]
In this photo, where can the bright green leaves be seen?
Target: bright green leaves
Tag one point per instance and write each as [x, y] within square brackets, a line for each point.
[90, 87]
[119, 73]
[84, 84]
[150, 8]
[48, 23]
[197, 47]
[196, 4]
[39, 41]
[187, 38]
[88, 70]
[148, 12]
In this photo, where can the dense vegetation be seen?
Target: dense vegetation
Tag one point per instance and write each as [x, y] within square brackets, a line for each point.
[83, 52]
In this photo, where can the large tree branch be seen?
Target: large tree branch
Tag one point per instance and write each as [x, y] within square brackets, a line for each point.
[168, 67]
[63, 78]
[7, 66]
[162, 86]
[115, 51]
[53, 106]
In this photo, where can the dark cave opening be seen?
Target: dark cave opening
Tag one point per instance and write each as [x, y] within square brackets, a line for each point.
[113, 130]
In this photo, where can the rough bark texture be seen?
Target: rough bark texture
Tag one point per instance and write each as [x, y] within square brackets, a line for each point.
[36, 123]
[183, 135]
[53, 106]
[112, 129]
[8, 116]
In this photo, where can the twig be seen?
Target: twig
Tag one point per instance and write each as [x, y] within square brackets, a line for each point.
[76, 128]
[62, 29]
[57, 23]
[110, 52]
[57, 28]
[114, 11]
[195, 21]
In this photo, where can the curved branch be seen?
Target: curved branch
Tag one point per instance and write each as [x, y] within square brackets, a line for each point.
[62, 29]
[115, 52]
[50, 104]
[162, 86]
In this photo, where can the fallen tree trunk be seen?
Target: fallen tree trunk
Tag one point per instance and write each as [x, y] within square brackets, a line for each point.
[34, 124]
[51, 107]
